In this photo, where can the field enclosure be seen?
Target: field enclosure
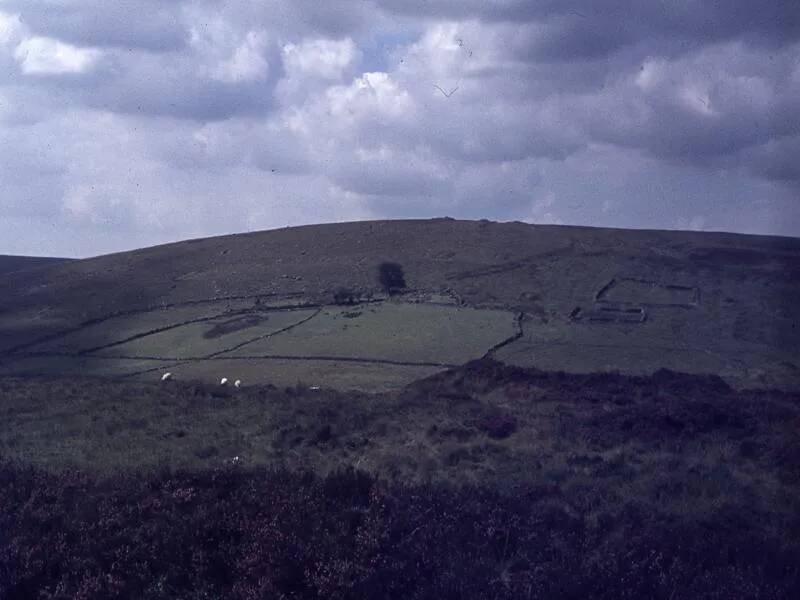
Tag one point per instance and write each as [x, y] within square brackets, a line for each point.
[375, 345]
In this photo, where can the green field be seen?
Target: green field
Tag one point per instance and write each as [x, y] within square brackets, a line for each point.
[216, 335]
[392, 331]
[373, 346]
[118, 328]
[365, 376]
[92, 366]
[583, 347]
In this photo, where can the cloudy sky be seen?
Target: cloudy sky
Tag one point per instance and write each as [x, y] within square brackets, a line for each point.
[136, 122]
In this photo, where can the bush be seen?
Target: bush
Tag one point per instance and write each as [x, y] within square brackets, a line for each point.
[344, 296]
[497, 425]
[391, 277]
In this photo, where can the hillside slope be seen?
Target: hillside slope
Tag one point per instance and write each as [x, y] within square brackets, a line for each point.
[13, 264]
[264, 305]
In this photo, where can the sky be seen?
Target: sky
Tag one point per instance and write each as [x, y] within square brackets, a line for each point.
[136, 122]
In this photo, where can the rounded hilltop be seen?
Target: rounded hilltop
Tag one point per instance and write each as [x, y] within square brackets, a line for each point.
[379, 304]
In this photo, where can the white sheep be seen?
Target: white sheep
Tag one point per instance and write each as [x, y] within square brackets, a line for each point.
[238, 383]
[223, 381]
[166, 376]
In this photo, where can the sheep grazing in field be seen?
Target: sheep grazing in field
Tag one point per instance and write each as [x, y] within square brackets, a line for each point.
[223, 381]
[238, 383]
[166, 377]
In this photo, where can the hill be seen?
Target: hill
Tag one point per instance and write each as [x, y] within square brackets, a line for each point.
[429, 411]
[307, 304]
[12, 264]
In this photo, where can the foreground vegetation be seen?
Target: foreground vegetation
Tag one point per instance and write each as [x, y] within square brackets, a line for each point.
[485, 481]
[236, 534]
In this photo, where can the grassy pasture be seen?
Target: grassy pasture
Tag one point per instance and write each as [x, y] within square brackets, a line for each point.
[211, 336]
[92, 366]
[394, 331]
[26, 326]
[118, 328]
[757, 371]
[670, 443]
[283, 372]
[689, 340]
[266, 345]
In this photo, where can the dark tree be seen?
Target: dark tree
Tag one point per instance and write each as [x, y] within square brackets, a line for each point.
[391, 277]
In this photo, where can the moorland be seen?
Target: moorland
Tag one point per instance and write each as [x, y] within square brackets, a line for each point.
[440, 408]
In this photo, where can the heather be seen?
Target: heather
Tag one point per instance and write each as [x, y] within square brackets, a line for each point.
[485, 481]
[237, 533]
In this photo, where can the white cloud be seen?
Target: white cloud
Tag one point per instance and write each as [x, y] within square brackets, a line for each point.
[312, 65]
[372, 106]
[10, 26]
[247, 62]
[227, 54]
[694, 223]
[650, 73]
[543, 212]
[372, 92]
[319, 58]
[98, 205]
[46, 56]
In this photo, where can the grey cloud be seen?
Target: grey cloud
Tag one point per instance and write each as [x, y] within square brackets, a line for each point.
[610, 186]
[500, 133]
[631, 113]
[776, 159]
[503, 190]
[608, 25]
[594, 29]
[167, 85]
[221, 145]
[701, 109]
[180, 96]
[152, 25]
[295, 19]
[501, 10]
[397, 176]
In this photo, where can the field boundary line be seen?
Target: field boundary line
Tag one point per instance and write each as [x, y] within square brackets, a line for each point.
[264, 336]
[124, 313]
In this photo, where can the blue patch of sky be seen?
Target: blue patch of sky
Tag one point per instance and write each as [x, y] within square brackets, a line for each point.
[380, 49]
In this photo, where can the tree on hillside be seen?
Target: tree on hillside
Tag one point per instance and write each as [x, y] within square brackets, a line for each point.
[391, 277]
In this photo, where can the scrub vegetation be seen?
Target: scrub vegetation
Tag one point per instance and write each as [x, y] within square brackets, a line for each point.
[482, 481]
